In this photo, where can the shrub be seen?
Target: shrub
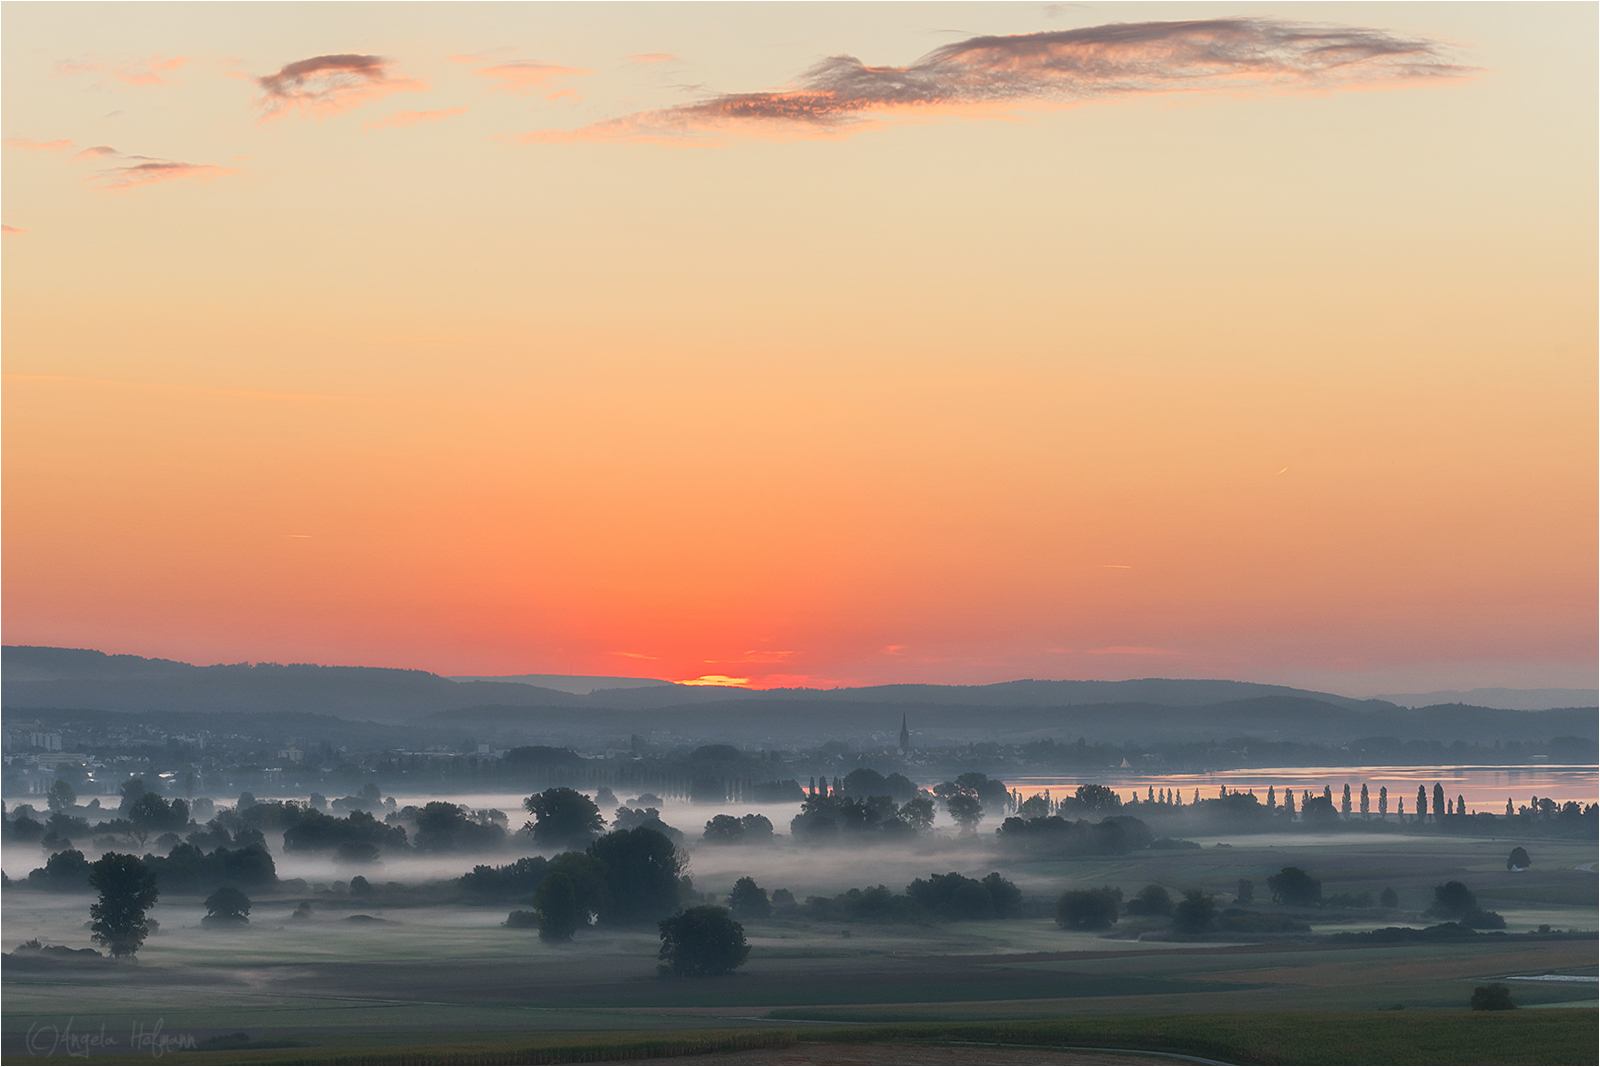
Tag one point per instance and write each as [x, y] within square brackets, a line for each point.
[701, 942]
[1086, 909]
[1493, 997]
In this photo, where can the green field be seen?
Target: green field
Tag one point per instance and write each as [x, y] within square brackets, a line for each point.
[451, 984]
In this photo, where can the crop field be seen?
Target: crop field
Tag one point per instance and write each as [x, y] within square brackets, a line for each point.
[451, 983]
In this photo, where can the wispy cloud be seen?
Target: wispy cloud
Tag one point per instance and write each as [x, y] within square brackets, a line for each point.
[652, 57]
[986, 74]
[1130, 650]
[143, 170]
[137, 72]
[330, 85]
[414, 118]
[523, 76]
[714, 679]
[8, 229]
[28, 144]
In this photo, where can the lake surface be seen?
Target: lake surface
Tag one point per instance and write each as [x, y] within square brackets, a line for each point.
[1484, 788]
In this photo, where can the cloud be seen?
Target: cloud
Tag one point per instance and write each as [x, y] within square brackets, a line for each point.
[8, 230]
[139, 72]
[98, 151]
[758, 655]
[414, 118]
[713, 679]
[652, 57]
[152, 172]
[330, 85]
[523, 76]
[1130, 650]
[28, 144]
[633, 655]
[985, 74]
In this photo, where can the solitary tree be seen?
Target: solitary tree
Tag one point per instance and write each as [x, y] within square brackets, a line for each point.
[557, 905]
[1366, 802]
[1151, 900]
[701, 942]
[1294, 886]
[966, 809]
[563, 816]
[641, 869]
[1492, 997]
[61, 796]
[1086, 909]
[1194, 913]
[1383, 801]
[127, 890]
[1518, 860]
[1389, 898]
[227, 907]
[1438, 800]
[1452, 900]
[749, 901]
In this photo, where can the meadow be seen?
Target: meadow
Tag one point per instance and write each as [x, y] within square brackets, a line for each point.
[354, 982]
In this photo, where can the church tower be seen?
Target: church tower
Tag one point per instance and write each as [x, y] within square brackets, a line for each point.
[905, 735]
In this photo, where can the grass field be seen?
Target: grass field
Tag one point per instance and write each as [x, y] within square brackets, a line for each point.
[450, 982]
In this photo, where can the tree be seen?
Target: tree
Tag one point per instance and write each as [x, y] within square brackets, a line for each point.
[701, 942]
[127, 890]
[1438, 801]
[1151, 900]
[1366, 802]
[918, 813]
[1383, 801]
[557, 905]
[1422, 802]
[153, 814]
[1103, 798]
[966, 809]
[1344, 804]
[724, 830]
[1294, 886]
[227, 907]
[564, 816]
[1461, 804]
[1288, 802]
[1493, 997]
[1389, 898]
[1452, 900]
[1086, 909]
[61, 796]
[1518, 860]
[749, 901]
[641, 868]
[1247, 891]
[1194, 913]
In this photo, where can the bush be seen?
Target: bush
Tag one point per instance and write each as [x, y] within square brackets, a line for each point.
[1453, 900]
[701, 942]
[522, 920]
[749, 901]
[557, 904]
[1294, 886]
[1086, 909]
[1493, 997]
[227, 907]
[1194, 913]
[1151, 900]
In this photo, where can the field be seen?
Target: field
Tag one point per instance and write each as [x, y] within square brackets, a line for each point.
[449, 984]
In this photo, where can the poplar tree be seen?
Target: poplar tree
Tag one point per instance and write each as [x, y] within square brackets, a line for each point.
[1422, 802]
[1344, 804]
[1438, 800]
[1365, 802]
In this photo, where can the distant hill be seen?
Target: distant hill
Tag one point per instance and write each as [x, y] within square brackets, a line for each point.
[581, 684]
[579, 706]
[1506, 699]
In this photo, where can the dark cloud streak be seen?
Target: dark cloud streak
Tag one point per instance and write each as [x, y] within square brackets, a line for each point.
[1057, 67]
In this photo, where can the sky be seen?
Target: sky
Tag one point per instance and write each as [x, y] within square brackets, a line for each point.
[806, 344]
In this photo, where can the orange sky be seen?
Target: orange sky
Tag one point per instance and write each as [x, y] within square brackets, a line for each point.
[468, 339]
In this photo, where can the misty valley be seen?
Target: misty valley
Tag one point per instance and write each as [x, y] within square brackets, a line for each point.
[650, 889]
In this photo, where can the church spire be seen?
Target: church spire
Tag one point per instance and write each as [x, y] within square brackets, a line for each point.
[905, 734]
